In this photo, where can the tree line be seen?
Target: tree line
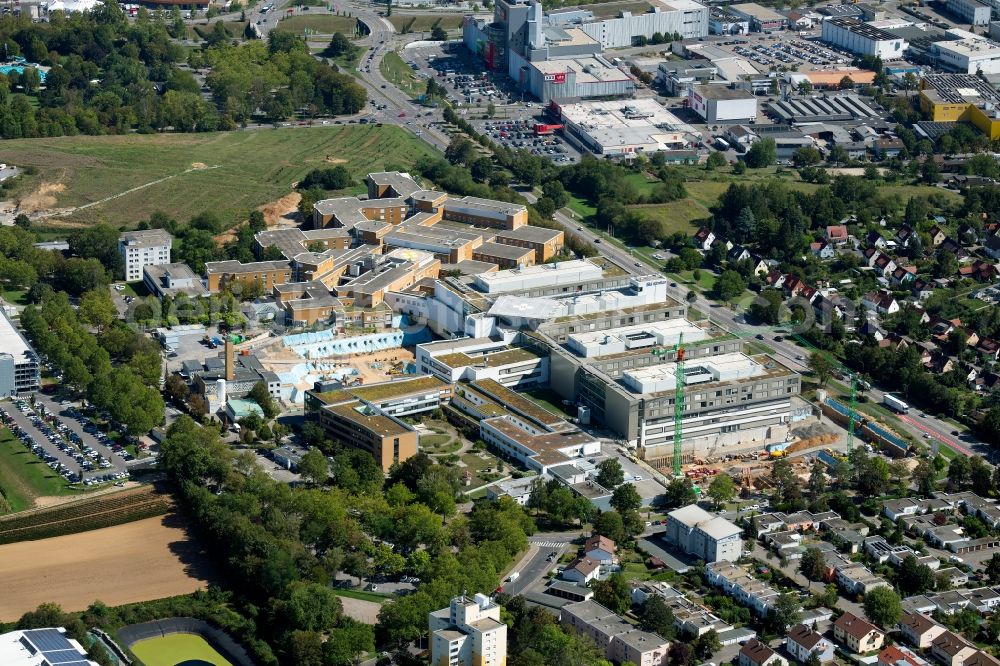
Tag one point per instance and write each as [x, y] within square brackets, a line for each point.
[109, 75]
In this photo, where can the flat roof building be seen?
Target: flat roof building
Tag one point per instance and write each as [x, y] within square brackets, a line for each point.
[718, 103]
[761, 18]
[149, 247]
[19, 367]
[863, 39]
[367, 417]
[703, 535]
[625, 127]
[468, 633]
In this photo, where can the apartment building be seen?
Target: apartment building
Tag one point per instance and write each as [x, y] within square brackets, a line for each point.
[920, 630]
[707, 537]
[468, 633]
[858, 635]
[150, 247]
[741, 586]
[620, 641]
[367, 417]
[220, 275]
[485, 212]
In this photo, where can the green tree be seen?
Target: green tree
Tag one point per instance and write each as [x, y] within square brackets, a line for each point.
[812, 564]
[762, 153]
[729, 286]
[610, 525]
[715, 160]
[914, 578]
[314, 467]
[680, 492]
[348, 642]
[707, 644]
[821, 366]
[613, 593]
[722, 489]
[787, 611]
[882, 607]
[438, 34]
[97, 308]
[625, 498]
[610, 474]
[260, 395]
[657, 617]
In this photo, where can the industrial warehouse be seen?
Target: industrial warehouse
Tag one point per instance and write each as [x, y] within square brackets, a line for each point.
[623, 128]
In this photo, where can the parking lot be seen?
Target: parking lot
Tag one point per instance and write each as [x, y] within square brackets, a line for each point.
[526, 135]
[771, 50]
[86, 432]
[46, 430]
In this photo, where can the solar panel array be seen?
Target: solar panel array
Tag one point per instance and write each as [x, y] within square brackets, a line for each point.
[55, 647]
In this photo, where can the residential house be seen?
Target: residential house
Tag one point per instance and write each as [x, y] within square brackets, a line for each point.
[982, 658]
[756, 653]
[884, 265]
[967, 234]
[903, 275]
[953, 246]
[899, 656]
[822, 250]
[880, 301]
[869, 255]
[600, 549]
[803, 641]
[950, 649]
[704, 239]
[875, 239]
[860, 636]
[937, 235]
[837, 233]
[775, 278]
[953, 576]
[760, 265]
[904, 235]
[979, 270]
[738, 253]
[920, 630]
[992, 246]
[922, 289]
[582, 570]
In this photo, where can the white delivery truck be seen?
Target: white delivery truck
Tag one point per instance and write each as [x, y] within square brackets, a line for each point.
[894, 403]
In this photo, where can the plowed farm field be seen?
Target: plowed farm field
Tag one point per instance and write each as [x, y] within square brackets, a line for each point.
[138, 561]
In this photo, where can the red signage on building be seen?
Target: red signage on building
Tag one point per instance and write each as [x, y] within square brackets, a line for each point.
[559, 77]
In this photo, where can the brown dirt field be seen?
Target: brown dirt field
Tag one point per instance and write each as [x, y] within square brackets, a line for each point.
[279, 213]
[42, 198]
[361, 610]
[49, 501]
[335, 160]
[139, 561]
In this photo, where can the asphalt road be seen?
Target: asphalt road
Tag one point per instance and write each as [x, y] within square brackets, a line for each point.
[533, 568]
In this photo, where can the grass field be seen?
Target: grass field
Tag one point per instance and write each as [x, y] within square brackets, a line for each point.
[253, 168]
[24, 477]
[394, 69]
[177, 649]
[322, 24]
[676, 215]
[425, 22]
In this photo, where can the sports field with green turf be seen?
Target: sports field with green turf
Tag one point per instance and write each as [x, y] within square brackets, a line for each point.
[178, 650]
[130, 177]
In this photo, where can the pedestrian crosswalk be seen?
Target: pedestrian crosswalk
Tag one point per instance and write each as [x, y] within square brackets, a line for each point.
[547, 544]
